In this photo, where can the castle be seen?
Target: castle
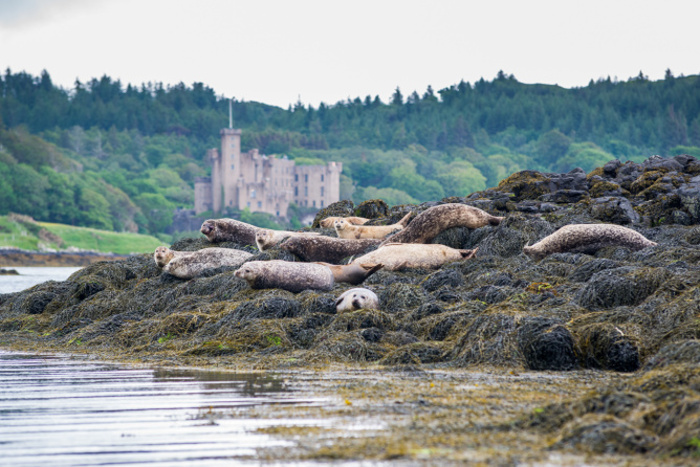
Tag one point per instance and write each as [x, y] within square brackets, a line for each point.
[262, 183]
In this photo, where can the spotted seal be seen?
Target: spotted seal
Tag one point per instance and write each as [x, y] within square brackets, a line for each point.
[344, 229]
[429, 223]
[267, 238]
[356, 298]
[328, 221]
[188, 264]
[397, 256]
[229, 230]
[587, 238]
[287, 275]
[327, 249]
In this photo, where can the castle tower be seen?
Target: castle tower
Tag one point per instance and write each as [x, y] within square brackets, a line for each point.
[229, 169]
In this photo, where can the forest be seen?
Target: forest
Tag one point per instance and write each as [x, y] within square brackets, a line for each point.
[124, 157]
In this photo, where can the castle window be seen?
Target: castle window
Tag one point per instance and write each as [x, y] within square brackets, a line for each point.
[321, 203]
[314, 203]
[306, 178]
[232, 167]
[248, 203]
[322, 188]
[252, 193]
[296, 191]
[259, 204]
[296, 177]
[306, 191]
[321, 177]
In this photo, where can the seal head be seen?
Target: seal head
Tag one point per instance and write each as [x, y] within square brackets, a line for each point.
[355, 299]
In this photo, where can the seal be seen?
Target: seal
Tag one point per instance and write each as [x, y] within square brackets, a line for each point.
[353, 273]
[327, 249]
[587, 238]
[357, 298]
[286, 275]
[397, 256]
[267, 238]
[328, 221]
[429, 223]
[188, 264]
[344, 229]
[229, 230]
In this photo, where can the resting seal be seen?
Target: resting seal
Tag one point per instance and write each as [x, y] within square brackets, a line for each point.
[188, 264]
[286, 275]
[327, 249]
[429, 223]
[354, 299]
[267, 238]
[353, 273]
[397, 256]
[344, 229]
[328, 221]
[587, 238]
[229, 230]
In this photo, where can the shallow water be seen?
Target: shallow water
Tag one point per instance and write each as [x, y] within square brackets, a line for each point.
[56, 410]
[29, 277]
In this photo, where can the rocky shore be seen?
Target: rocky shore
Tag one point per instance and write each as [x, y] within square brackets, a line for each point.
[14, 257]
[635, 314]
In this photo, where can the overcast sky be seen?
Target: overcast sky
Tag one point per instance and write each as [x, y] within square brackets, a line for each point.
[281, 51]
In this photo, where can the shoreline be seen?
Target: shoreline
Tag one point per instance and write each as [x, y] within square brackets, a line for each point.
[15, 257]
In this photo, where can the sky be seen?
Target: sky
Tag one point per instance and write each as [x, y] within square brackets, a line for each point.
[280, 52]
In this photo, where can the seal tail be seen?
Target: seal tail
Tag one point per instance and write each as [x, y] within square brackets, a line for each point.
[494, 220]
[371, 269]
[468, 254]
[404, 219]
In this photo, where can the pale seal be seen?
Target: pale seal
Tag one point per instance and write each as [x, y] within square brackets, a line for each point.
[587, 238]
[344, 229]
[229, 230]
[357, 298]
[188, 264]
[429, 223]
[286, 275]
[267, 238]
[353, 273]
[397, 256]
[328, 221]
[327, 249]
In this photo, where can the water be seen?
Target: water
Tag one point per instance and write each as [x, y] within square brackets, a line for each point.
[29, 277]
[58, 411]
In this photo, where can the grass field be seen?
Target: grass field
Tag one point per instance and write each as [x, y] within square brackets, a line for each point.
[24, 233]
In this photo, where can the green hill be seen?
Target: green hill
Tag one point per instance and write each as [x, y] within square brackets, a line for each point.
[23, 232]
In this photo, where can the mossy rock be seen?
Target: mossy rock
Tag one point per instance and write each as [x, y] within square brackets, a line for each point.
[622, 286]
[605, 346]
[417, 353]
[527, 184]
[546, 344]
[605, 434]
[372, 209]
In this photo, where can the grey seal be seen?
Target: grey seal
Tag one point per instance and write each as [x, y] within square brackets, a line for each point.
[229, 230]
[188, 264]
[356, 298]
[286, 275]
[429, 223]
[327, 249]
[397, 256]
[587, 238]
[267, 238]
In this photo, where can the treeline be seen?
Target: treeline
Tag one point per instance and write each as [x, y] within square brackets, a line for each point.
[123, 157]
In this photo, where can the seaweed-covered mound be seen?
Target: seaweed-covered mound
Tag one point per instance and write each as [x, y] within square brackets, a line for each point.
[617, 309]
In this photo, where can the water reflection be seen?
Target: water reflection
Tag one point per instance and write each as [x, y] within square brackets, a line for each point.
[62, 411]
